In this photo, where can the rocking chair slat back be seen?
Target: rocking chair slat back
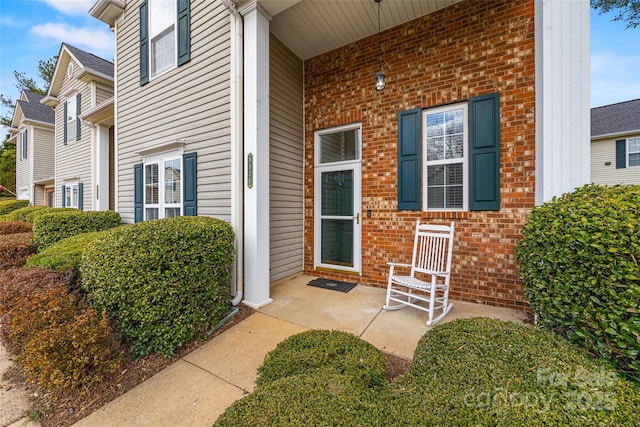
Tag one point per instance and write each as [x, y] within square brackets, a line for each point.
[431, 249]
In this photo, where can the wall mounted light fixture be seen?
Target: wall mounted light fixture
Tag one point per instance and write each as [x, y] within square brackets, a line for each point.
[380, 83]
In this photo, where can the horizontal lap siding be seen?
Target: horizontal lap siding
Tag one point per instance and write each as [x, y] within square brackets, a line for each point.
[102, 94]
[73, 160]
[602, 152]
[190, 103]
[44, 151]
[286, 162]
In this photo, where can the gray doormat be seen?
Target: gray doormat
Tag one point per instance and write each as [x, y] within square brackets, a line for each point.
[334, 285]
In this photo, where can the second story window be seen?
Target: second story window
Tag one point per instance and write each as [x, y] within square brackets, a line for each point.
[71, 119]
[162, 35]
[24, 145]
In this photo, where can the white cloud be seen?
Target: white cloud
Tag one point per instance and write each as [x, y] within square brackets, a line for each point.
[614, 78]
[94, 40]
[71, 7]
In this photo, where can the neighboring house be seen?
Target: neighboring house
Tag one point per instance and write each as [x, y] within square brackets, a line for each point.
[268, 110]
[615, 143]
[32, 129]
[81, 92]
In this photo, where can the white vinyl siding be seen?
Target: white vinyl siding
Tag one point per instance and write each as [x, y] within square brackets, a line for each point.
[190, 105]
[73, 160]
[286, 196]
[603, 165]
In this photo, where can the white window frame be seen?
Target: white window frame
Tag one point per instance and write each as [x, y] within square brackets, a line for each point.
[157, 30]
[160, 160]
[629, 152]
[24, 145]
[72, 117]
[464, 160]
[69, 194]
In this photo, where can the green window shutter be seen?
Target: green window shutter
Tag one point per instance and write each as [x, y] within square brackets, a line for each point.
[621, 154]
[138, 193]
[80, 196]
[78, 117]
[64, 196]
[184, 31]
[189, 184]
[144, 43]
[409, 143]
[484, 153]
[64, 122]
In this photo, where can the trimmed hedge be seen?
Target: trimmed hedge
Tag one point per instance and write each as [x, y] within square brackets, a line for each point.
[162, 281]
[51, 227]
[21, 214]
[7, 206]
[64, 254]
[14, 227]
[34, 213]
[324, 350]
[467, 372]
[579, 260]
[15, 249]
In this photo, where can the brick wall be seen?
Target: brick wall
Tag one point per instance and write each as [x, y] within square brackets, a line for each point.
[468, 49]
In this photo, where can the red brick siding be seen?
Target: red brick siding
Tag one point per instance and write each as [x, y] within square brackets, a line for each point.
[469, 49]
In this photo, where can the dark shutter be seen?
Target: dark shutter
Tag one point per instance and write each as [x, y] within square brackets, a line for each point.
[64, 121]
[144, 43]
[64, 195]
[484, 152]
[80, 196]
[621, 154]
[78, 117]
[189, 184]
[409, 142]
[138, 193]
[184, 32]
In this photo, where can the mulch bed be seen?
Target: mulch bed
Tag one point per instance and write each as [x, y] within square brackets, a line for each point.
[67, 409]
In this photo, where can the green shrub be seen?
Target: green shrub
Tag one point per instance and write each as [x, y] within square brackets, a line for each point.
[15, 249]
[13, 227]
[467, 372]
[78, 352]
[162, 281]
[7, 206]
[51, 227]
[64, 254]
[579, 260]
[32, 214]
[324, 350]
[21, 214]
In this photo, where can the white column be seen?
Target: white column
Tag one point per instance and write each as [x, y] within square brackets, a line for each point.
[101, 203]
[256, 155]
[563, 114]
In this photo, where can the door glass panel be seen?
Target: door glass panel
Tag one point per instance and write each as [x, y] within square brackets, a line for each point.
[339, 146]
[337, 193]
[337, 242]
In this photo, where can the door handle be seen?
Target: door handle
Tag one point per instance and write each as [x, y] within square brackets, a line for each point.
[357, 217]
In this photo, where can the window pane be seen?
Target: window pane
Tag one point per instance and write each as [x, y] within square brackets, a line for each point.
[455, 147]
[163, 51]
[337, 242]
[435, 148]
[435, 125]
[162, 15]
[74, 196]
[172, 181]
[151, 213]
[454, 121]
[444, 186]
[171, 212]
[435, 175]
[339, 146]
[435, 197]
[151, 184]
[454, 197]
[634, 159]
[70, 122]
[337, 193]
[454, 174]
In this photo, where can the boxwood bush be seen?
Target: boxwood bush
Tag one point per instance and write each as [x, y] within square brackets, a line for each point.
[50, 227]
[64, 254]
[324, 350]
[35, 211]
[21, 214]
[580, 263]
[162, 281]
[7, 206]
[467, 372]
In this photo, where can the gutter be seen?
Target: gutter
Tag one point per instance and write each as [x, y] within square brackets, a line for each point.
[237, 144]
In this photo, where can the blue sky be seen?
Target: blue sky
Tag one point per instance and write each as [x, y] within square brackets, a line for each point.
[31, 30]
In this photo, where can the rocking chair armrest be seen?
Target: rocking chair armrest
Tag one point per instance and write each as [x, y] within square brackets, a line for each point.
[398, 264]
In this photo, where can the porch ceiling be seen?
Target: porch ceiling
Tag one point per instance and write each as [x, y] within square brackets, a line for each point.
[312, 27]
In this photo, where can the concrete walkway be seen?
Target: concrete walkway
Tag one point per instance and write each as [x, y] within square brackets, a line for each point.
[14, 400]
[198, 388]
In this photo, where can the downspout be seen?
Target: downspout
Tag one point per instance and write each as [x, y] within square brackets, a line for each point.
[237, 144]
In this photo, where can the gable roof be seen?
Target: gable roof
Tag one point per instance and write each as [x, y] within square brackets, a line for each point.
[29, 108]
[93, 68]
[623, 117]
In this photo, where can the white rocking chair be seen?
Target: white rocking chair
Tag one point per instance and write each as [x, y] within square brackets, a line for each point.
[432, 252]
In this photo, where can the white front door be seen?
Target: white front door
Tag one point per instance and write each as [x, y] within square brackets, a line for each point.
[337, 195]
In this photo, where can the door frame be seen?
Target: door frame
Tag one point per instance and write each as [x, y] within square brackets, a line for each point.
[354, 165]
